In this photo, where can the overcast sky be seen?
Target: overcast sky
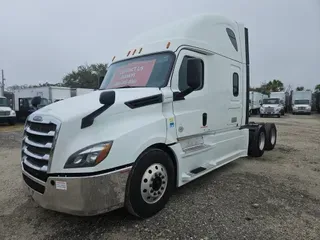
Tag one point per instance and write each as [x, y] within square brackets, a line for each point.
[44, 40]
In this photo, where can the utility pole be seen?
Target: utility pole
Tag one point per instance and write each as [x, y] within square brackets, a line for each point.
[2, 83]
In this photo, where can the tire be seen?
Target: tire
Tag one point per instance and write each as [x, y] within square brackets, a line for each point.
[279, 116]
[257, 140]
[261, 115]
[271, 136]
[158, 162]
[11, 122]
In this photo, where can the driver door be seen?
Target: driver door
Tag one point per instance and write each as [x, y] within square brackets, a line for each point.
[191, 113]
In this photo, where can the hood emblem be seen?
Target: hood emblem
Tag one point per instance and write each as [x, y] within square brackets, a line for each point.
[37, 119]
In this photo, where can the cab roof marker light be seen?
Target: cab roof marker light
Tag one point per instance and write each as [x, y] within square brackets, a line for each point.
[134, 52]
[168, 45]
[128, 53]
[140, 50]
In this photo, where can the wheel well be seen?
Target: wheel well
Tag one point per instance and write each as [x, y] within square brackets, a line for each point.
[169, 151]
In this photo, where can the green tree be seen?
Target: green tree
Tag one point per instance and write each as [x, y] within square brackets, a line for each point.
[300, 88]
[275, 86]
[86, 76]
[317, 87]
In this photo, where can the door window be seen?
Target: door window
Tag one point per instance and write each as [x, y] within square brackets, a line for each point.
[183, 85]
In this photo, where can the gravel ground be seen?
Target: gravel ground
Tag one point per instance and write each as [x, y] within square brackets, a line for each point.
[276, 196]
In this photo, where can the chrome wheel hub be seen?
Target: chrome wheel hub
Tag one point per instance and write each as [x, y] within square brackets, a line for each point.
[273, 136]
[154, 183]
[262, 140]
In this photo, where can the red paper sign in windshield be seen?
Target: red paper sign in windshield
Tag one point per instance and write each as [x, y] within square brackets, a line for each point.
[133, 74]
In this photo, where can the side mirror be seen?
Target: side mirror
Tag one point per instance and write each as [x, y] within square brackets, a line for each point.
[194, 73]
[101, 78]
[36, 101]
[107, 98]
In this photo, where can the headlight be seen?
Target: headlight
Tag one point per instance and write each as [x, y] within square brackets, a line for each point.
[261, 109]
[278, 109]
[13, 113]
[89, 156]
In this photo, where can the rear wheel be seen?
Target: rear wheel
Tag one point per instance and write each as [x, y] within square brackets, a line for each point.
[257, 140]
[150, 184]
[271, 136]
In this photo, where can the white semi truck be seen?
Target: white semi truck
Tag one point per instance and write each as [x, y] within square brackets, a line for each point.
[152, 126]
[271, 107]
[301, 102]
[282, 96]
[7, 115]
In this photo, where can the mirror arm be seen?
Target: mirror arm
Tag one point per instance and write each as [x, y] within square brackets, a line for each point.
[177, 96]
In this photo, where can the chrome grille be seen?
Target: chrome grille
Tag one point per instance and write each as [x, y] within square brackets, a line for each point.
[269, 109]
[4, 113]
[301, 108]
[37, 147]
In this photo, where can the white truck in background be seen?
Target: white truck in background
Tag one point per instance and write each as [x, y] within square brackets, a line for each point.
[271, 107]
[48, 94]
[282, 96]
[301, 102]
[152, 126]
[256, 101]
[7, 115]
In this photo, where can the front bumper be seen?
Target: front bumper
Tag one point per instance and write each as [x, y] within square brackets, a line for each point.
[301, 110]
[4, 119]
[81, 196]
[271, 113]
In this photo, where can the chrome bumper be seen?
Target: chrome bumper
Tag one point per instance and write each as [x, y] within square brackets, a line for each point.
[81, 196]
[301, 110]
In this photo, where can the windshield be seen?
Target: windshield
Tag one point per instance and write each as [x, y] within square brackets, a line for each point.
[3, 102]
[301, 102]
[271, 101]
[148, 71]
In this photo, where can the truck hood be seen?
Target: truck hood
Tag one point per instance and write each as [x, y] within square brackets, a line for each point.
[5, 108]
[80, 106]
[301, 105]
[271, 105]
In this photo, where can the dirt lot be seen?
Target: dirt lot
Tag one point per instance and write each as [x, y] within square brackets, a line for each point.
[274, 197]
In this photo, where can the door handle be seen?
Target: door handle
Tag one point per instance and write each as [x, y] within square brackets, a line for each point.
[204, 119]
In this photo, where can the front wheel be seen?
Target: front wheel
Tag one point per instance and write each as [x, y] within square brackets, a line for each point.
[11, 122]
[150, 184]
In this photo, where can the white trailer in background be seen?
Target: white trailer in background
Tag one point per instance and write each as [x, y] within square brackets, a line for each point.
[301, 102]
[255, 101]
[81, 91]
[48, 94]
